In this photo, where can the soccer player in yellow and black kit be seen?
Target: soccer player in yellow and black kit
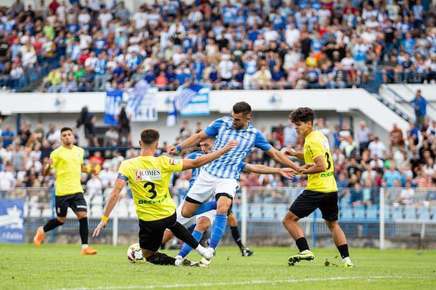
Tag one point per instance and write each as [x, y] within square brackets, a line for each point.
[67, 161]
[149, 178]
[321, 190]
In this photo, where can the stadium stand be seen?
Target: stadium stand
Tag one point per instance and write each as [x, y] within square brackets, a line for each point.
[225, 44]
[405, 167]
[261, 45]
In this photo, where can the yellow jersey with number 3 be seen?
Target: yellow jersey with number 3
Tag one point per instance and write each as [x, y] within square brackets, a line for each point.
[316, 144]
[149, 180]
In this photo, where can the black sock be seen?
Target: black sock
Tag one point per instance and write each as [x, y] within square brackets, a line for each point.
[183, 234]
[237, 237]
[302, 244]
[161, 259]
[343, 250]
[52, 224]
[83, 222]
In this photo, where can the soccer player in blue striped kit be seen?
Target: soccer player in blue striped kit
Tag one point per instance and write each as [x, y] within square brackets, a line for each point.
[220, 177]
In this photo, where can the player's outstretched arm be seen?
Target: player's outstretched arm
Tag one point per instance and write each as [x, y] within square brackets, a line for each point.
[263, 169]
[189, 142]
[317, 167]
[282, 158]
[293, 152]
[202, 160]
[113, 199]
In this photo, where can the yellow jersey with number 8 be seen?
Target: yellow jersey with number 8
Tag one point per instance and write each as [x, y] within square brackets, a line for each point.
[316, 144]
[149, 180]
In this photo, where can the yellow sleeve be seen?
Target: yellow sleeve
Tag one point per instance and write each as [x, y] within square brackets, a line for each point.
[123, 171]
[54, 158]
[82, 155]
[315, 148]
[170, 164]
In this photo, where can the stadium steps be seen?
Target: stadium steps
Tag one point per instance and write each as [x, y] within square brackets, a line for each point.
[405, 93]
[390, 100]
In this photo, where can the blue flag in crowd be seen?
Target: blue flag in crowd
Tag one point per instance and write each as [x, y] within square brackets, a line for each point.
[137, 96]
[184, 95]
[184, 98]
[114, 98]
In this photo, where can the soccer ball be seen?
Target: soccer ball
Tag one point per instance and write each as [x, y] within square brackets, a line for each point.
[134, 253]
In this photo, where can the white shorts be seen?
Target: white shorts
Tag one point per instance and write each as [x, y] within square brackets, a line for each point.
[207, 186]
[187, 222]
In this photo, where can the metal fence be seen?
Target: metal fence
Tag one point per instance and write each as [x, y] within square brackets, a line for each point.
[380, 217]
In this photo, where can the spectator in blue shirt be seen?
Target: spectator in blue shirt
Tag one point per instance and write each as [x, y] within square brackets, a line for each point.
[7, 136]
[419, 104]
[391, 176]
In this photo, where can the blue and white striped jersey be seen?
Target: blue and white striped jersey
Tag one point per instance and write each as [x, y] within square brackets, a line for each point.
[196, 171]
[228, 165]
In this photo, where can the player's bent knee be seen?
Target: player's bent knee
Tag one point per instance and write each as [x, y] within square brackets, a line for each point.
[203, 223]
[224, 203]
[61, 219]
[81, 214]
[189, 208]
[290, 218]
[331, 224]
[187, 212]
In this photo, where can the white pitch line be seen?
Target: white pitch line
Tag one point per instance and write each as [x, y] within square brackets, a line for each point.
[241, 283]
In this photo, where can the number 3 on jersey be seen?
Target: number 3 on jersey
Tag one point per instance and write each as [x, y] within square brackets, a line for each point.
[329, 163]
[151, 188]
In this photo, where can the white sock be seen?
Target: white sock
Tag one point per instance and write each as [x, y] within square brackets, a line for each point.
[200, 249]
[346, 260]
[179, 260]
[84, 246]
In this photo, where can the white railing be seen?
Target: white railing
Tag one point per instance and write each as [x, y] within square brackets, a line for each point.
[391, 213]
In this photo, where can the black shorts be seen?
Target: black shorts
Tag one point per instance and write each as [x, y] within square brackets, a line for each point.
[151, 232]
[75, 201]
[309, 201]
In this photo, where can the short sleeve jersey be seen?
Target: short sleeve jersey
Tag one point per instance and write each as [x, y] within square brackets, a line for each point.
[149, 179]
[228, 165]
[68, 168]
[316, 144]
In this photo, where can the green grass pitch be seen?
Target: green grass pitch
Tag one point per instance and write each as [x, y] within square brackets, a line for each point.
[61, 267]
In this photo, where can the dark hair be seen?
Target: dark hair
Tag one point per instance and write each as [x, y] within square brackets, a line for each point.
[66, 129]
[303, 114]
[241, 107]
[149, 136]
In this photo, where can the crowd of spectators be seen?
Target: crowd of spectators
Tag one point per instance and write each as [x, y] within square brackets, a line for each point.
[363, 163]
[225, 44]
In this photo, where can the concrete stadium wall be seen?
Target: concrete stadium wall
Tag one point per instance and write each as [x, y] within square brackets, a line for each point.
[261, 120]
[63, 109]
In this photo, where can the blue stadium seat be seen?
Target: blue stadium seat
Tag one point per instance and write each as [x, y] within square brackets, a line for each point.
[346, 213]
[255, 211]
[397, 213]
[423, 214]
[372, 212]
[268, 211]
[410, 213]
[359, 212]
[280, 210]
